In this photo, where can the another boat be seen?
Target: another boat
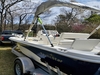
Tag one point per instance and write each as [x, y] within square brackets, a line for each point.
[82, 57]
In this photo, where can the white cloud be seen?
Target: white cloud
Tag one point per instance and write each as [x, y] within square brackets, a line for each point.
[85, 1]
[94, 3]
[37, 1]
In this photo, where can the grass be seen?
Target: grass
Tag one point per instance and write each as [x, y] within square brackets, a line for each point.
[6, 61]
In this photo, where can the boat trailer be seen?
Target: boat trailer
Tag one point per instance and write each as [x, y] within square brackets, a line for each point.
[24, 65]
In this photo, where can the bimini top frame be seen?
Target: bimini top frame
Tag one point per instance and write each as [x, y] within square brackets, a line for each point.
[49, 4]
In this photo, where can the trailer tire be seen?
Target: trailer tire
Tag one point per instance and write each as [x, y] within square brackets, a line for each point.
[18, 68]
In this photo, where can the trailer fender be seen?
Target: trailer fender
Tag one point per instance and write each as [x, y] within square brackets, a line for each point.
[27, 64]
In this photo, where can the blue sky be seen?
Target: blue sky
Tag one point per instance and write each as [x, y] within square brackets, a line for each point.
[84, 1]
[90, 2]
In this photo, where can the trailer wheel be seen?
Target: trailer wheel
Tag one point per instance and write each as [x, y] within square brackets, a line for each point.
[18, 70]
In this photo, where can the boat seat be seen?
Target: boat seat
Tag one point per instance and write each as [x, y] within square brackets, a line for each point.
[66, 39]
[85, 44]
[53, 40]
[96, 51]
[65, 43]
[73, 36]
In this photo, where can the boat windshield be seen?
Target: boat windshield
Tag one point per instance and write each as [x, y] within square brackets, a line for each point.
[53, 32]
[45, 32]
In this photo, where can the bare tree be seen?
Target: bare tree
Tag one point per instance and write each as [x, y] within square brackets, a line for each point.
[4, 6]
[10, 19]
[67, 19]
[15, 11]
[27, 8]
